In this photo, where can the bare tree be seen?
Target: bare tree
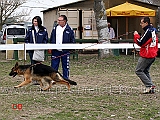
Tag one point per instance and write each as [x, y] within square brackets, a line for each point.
[22, 16]
[7, 9]
[153, 2]
[101, 24]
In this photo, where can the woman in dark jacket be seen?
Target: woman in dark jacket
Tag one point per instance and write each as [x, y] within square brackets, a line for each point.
[40, 33]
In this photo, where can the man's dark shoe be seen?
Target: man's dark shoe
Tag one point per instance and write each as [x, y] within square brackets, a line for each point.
[149, 90]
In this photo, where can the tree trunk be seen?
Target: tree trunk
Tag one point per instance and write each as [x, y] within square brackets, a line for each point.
[101, 25]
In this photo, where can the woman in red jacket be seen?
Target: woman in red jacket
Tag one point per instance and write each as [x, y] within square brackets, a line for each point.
[148, 52]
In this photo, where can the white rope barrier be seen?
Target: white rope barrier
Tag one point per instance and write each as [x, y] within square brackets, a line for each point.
[67, 46]
[12, 47]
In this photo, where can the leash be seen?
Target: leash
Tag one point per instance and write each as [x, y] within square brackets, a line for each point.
[126, 34]
[36, 64]
[55, 57]
[95, 44]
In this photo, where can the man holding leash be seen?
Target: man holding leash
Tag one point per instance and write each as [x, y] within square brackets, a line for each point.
[62, 33]
[148, 52]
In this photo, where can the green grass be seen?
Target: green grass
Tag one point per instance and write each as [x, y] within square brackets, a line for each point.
[107, 89]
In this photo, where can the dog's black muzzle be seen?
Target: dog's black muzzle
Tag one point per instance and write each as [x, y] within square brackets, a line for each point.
[13, 74]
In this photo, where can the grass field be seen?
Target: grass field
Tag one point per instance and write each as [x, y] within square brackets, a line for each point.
[107, 89]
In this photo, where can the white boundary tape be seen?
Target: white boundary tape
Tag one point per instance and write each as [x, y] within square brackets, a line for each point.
[67, 46]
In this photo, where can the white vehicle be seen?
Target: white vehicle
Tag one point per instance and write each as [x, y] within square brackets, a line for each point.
[13, 31]
[1, 33]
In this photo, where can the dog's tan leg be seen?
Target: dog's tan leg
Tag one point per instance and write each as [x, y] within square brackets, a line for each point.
[48, 80]
[23, 83]
[41, 84]
[27, 80]
[62, 81]
[49, 86]
[57, 78]
[65, 83]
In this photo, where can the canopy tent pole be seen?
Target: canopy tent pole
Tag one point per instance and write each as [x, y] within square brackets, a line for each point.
[126, 27]
[117, 28]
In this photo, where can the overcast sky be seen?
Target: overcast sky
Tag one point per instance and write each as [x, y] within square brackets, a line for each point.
[38, 5]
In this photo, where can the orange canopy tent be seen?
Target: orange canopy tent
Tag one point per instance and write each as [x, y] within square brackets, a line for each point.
[128, 9]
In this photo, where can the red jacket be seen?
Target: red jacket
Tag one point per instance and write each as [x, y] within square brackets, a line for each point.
[148, 42]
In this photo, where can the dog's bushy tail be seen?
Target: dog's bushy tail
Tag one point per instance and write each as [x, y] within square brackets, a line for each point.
[71, 82]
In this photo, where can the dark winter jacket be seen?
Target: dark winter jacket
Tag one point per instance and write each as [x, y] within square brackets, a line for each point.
[40, 37]
[68, 36]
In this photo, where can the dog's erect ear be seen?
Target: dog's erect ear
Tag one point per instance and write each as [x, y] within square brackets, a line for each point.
[16, 64]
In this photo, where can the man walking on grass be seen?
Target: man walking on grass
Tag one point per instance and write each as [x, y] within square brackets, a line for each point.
[148, 52]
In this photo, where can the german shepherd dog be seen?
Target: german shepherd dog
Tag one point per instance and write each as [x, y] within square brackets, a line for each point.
[41, 73]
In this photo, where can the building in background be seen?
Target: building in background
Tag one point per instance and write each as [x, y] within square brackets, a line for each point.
[81, 18]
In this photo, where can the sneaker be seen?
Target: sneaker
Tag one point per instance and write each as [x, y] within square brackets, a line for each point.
[149, 90]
